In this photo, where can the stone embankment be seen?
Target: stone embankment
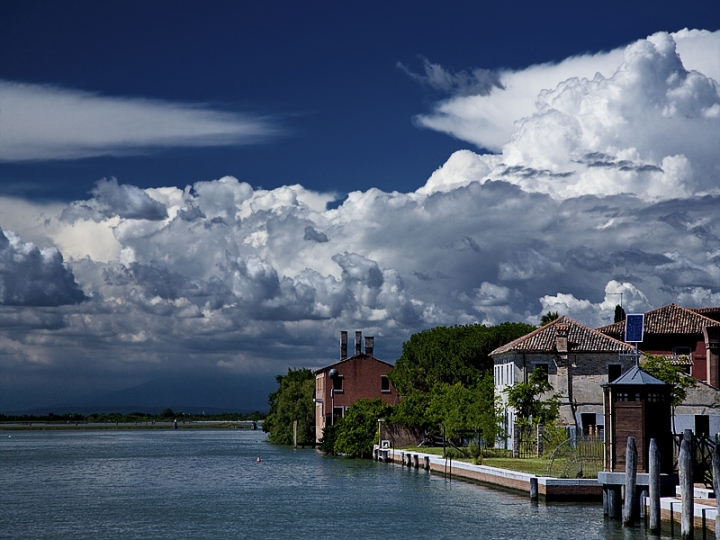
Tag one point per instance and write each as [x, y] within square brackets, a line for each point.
[540, 487]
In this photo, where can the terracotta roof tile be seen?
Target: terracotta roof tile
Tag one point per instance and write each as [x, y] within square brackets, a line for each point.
[580, 339]
[672, 319]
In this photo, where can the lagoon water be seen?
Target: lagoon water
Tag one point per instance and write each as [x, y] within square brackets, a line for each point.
[207, 484]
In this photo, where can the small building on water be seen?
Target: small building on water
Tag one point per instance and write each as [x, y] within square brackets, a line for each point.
[339, 385]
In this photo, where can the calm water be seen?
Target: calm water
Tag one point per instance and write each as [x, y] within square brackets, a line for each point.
[196, 484]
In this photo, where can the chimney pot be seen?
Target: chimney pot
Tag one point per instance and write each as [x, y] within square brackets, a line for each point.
[358, 344]
[343, 344]
[369, 345]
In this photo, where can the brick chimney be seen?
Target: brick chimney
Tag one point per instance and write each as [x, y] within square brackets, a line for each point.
[358, 342]
[343, 344]
[712, 350]
[369, 345]
[561, 338]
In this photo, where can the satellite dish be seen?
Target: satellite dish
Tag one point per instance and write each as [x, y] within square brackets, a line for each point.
[333, 373]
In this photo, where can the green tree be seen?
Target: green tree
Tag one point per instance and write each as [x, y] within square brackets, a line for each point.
[619, 314]
[549, 317]
[527, 400]
[662, 368]
[293, 400]
[355, 433]
[457, 408]
[450, 355]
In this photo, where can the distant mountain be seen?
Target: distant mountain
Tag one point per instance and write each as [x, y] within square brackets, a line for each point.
[209, 394]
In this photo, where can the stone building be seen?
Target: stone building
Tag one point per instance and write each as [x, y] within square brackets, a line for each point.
[577, 360]
[341, 384]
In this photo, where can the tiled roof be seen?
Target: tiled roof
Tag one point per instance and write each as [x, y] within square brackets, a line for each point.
[580, 339]
[710, 312]
[672, 319]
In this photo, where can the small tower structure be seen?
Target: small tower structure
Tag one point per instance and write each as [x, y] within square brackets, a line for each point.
[637, 405]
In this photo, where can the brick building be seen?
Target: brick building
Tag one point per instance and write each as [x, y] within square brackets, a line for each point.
[577, 360]
[341, 384]
[690, 337]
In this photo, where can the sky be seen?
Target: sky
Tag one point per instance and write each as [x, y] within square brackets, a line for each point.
[197, 196]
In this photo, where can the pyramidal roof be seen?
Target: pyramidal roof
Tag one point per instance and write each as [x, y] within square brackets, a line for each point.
[672, 319]
[635, 376]
[580, 339]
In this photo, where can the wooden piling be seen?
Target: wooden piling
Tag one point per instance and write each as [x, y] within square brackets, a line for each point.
[631, 456]
[687, 489]
[426, 463]
[654, 487]
[716, 487]
[416, 461]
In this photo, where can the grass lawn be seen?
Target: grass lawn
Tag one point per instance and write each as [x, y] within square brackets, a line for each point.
[536, 466]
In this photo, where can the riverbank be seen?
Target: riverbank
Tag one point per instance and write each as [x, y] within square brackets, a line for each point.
[548, 489]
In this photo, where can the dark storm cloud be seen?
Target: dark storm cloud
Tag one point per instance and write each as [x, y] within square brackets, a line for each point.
[33, 277]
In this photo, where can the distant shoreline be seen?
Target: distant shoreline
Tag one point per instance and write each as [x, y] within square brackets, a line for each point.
[47, 426]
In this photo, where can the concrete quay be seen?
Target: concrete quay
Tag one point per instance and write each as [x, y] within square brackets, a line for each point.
[541, 487]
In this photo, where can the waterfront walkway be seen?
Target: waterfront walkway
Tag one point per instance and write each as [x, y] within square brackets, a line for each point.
[548, 488]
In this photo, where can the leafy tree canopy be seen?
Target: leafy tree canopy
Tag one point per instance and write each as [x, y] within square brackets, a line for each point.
[549, 317]
[457, 408]
[450, 355]
[357, 431]
[662, 368]
[527, 400]
[293, 400]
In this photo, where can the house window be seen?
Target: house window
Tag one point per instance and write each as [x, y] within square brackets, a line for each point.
[338, 412]
[614, 372]
[702, 425]
[384, 383]
[544, 368]
[338, 383]
[589, 421]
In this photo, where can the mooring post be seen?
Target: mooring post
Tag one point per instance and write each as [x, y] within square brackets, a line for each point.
[613, 498]
[630, 481]
[716, 487]
[643, 505]
[534, 488]
[426, 463]
[416, 461]
[654, 487]
[687, 490]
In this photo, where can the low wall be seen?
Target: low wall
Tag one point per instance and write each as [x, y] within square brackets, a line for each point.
[549, 489]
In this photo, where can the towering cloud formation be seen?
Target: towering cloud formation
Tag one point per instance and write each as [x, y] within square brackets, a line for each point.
[608, 186]
[648, 126]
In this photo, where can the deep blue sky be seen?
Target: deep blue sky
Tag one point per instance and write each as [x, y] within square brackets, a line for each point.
[326, 71]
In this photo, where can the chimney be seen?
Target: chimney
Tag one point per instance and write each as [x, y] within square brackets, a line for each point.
[561, 338]
[358, 344]
[712, 352]
[343, 345]
[369, 345]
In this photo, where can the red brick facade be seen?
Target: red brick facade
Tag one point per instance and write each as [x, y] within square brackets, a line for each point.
[358, 377]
